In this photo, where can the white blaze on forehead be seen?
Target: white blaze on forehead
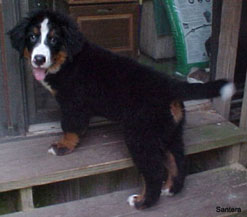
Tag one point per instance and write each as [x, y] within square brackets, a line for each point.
[41, 48]
[44, 29]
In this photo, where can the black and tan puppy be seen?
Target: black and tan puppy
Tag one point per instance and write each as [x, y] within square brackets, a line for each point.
[88, 80]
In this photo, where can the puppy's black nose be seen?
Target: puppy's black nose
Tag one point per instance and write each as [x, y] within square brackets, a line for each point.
[39, 60]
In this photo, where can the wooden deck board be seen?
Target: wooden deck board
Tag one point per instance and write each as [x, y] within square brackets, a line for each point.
[26, 163]
[202, 118]
[196, 115]
[201, 195]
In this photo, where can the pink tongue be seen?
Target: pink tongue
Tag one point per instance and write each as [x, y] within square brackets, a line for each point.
[39, 74]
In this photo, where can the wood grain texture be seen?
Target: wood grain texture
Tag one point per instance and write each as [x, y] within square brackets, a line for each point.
[243, 125]
[26, 163]
[213, 136]
[3, 104]
[227, 50]
[13, 76]
[26, 199]
[226, 59]
[202, 193]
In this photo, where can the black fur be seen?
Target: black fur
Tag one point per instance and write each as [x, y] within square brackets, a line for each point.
[97, 82]
[18, 36]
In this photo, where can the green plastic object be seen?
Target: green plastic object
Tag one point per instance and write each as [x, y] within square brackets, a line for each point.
[191, 22]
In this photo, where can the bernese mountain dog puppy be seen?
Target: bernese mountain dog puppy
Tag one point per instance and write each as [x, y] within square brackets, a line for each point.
[87, 81]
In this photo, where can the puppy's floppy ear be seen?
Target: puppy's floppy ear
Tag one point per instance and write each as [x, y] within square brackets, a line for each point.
[73, 38]
[17, 35]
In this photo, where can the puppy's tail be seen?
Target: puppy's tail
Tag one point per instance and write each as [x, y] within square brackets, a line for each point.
[192, 91]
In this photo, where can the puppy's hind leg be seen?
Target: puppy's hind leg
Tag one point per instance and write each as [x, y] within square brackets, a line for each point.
[175, 166]
[149, 161]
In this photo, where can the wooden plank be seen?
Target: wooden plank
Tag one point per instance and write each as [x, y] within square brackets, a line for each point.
[243, 125]
[198, 105]
[26, 163]
[226, 59]
[55, 127]
[228, 44]
[26, 199]
[243, 117]
[203, 192]
[194, 118]
[213, 136]
[14, 76]
[3, 107]
[201, 118]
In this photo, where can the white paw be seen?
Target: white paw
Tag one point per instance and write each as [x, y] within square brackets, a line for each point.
[166, 192]
[131, 199]
[52, 151]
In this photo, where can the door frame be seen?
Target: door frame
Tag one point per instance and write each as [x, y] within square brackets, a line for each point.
[12, 87]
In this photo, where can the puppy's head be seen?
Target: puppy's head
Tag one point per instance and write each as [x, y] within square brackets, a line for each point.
[47, 39]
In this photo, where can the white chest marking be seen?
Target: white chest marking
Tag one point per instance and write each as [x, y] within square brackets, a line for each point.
[47, 86]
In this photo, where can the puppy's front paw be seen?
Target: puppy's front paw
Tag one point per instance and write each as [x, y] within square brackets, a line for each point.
[59, 150]
[65, 145]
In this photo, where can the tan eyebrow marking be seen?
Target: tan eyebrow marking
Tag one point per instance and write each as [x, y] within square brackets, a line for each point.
[52, 33]
[35, 30]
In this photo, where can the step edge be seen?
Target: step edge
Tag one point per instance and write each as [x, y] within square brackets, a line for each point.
[234, 166]
[103, 167]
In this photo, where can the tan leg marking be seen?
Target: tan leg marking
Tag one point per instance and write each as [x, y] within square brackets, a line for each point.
[141, 196]
[136, 198]
[177, 111]
[172, 169]
[69, 140]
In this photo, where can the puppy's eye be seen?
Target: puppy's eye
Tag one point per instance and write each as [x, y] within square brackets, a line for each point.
[53, 40]
[33, 38]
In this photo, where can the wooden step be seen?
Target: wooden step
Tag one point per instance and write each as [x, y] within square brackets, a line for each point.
[203, 193]
[26, 163]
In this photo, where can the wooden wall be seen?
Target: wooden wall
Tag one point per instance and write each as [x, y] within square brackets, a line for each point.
[3, 93]
[12, 120]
